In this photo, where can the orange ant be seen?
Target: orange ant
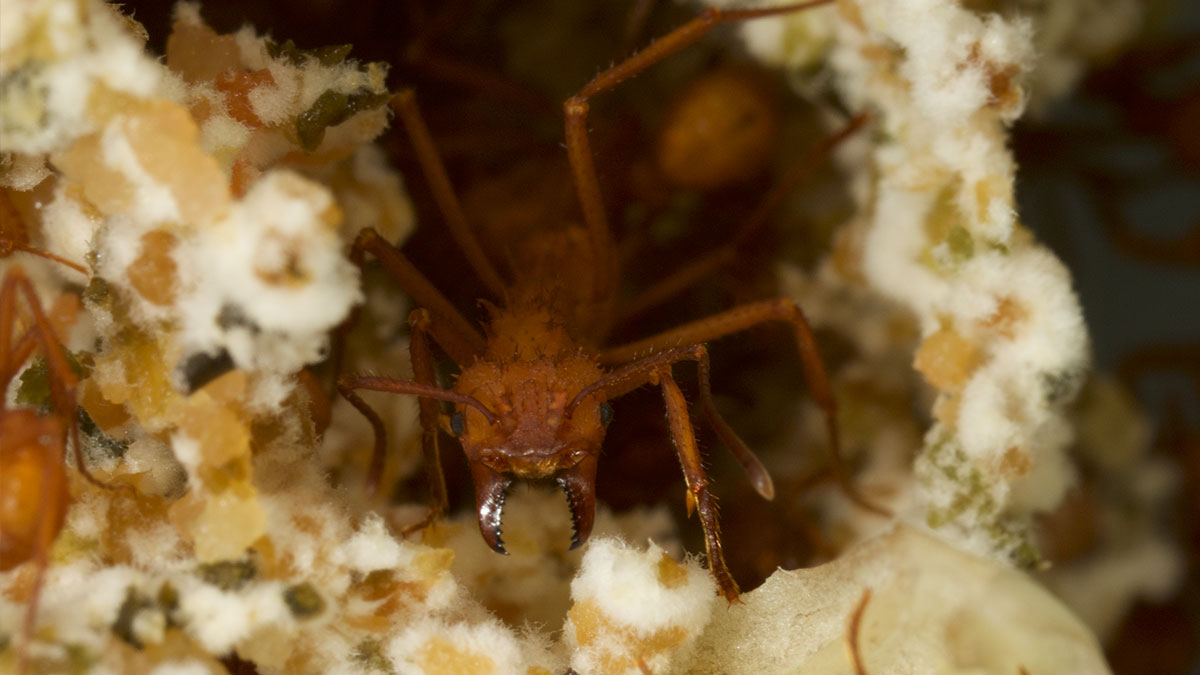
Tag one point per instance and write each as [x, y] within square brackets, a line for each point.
[33, 478]
[32, 457]
[532, 395]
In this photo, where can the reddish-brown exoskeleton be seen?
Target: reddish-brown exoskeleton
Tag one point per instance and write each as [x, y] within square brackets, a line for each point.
[33, 479]
[532, 394]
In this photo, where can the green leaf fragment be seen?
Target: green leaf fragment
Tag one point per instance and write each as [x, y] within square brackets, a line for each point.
[229, 575]
[329, 55]
[369, 654]
[304, 600]
[330, 109]
[135, 602]
[961, 244]
[97, 289]
[34, 390]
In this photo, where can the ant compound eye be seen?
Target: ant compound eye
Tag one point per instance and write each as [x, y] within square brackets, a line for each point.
[457, 424]
[606, 413]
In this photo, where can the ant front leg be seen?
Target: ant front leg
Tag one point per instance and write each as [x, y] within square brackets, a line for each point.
[457, 337]
[699, 498]
[707, 264]
[61, 377]
[579, 152]
[742, 318]
[656, 369]
[421, 323]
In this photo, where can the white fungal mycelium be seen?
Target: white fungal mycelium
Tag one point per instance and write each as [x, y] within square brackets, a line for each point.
[214, 223]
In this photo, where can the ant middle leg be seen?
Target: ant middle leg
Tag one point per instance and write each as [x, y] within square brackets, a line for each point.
[742, 318]
[456, 336]
[453, 332]
[405, 105]
[633, 375]
[62, 378]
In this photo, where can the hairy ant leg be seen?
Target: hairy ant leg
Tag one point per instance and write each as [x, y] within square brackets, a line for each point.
[13, 236]
[742, 318]
[405, 105]
[347, 386]
[439, 319]
[32, 457]
[707, 264]
[418, 57]
[699, 497]
[656, 369]
[456, 336]
[420, 322]
[425, 386]
[575, 108]
[453, 332]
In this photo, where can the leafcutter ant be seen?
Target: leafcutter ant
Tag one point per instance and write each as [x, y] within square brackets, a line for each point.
[33, 478]
[531, 400]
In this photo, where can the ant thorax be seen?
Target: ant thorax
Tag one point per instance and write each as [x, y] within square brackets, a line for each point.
[555, 282]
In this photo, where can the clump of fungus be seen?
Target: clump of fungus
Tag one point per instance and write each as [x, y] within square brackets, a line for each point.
[211, 199]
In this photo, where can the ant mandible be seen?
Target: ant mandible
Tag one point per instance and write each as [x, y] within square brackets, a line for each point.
[531, 398]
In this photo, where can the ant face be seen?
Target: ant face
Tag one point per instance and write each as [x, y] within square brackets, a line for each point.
[536, 436]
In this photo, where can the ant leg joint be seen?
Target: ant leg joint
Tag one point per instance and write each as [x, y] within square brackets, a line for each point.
[420, 318]
[576, 106]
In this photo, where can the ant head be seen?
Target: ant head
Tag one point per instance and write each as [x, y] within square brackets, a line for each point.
[544, 442]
